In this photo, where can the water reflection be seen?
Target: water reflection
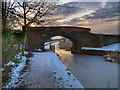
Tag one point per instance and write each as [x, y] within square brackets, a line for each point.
[65, 56]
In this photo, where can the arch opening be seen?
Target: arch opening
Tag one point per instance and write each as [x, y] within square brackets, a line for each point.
[57, 43]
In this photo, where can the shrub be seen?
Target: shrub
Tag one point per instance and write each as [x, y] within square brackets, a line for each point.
[7, 42]
[112, 56]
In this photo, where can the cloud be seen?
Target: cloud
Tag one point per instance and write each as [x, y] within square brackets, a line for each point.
[73, 10]
[77, 20]
[110, 11]
[103, 17]
[75, 7]
[112, 20]
[86, 5]
[65, 10]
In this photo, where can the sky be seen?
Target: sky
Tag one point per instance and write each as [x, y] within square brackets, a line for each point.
[101, 17]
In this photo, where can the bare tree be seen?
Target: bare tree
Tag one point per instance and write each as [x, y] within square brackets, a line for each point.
[6, 7]
[30, 13]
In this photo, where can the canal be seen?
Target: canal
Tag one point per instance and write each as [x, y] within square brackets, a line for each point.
[91, 70]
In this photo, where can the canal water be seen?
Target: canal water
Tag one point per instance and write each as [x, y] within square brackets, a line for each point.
[91, 70]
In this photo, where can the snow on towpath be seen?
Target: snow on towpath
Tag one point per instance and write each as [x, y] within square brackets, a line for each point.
[47, 71]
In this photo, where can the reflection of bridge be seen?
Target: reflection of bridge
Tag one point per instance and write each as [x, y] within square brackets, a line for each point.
[79, 36]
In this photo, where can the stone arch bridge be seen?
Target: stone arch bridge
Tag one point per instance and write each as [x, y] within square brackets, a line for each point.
[80, 37]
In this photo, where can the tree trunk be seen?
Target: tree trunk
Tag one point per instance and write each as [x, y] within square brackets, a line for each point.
[4, 15]
[24, 7]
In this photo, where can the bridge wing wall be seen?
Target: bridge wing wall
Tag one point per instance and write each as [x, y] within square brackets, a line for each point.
[110, 39]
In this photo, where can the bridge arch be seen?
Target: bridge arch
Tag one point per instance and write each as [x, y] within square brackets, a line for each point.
[37, 36]
[76, 43]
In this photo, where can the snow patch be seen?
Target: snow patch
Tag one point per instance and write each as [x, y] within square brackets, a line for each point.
[113, 47]
[10, 63]
[2, 69]
[47, 47]
[47, 43]
[14, 80]
[38, 50]
[25, 52]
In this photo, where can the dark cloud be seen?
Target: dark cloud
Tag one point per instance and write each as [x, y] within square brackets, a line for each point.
[67, 10]
[76, 20]
[87, 5]
[109, 11]
[111, 20]
[75, 7]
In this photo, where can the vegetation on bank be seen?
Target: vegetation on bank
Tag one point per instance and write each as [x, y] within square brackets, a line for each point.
[10, 47]
[7, 43]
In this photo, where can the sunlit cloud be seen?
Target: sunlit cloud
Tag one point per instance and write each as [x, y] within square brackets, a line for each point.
[76, 15]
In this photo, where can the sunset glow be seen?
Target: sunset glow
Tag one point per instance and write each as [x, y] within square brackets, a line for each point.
[78, 15]
[101, 17]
